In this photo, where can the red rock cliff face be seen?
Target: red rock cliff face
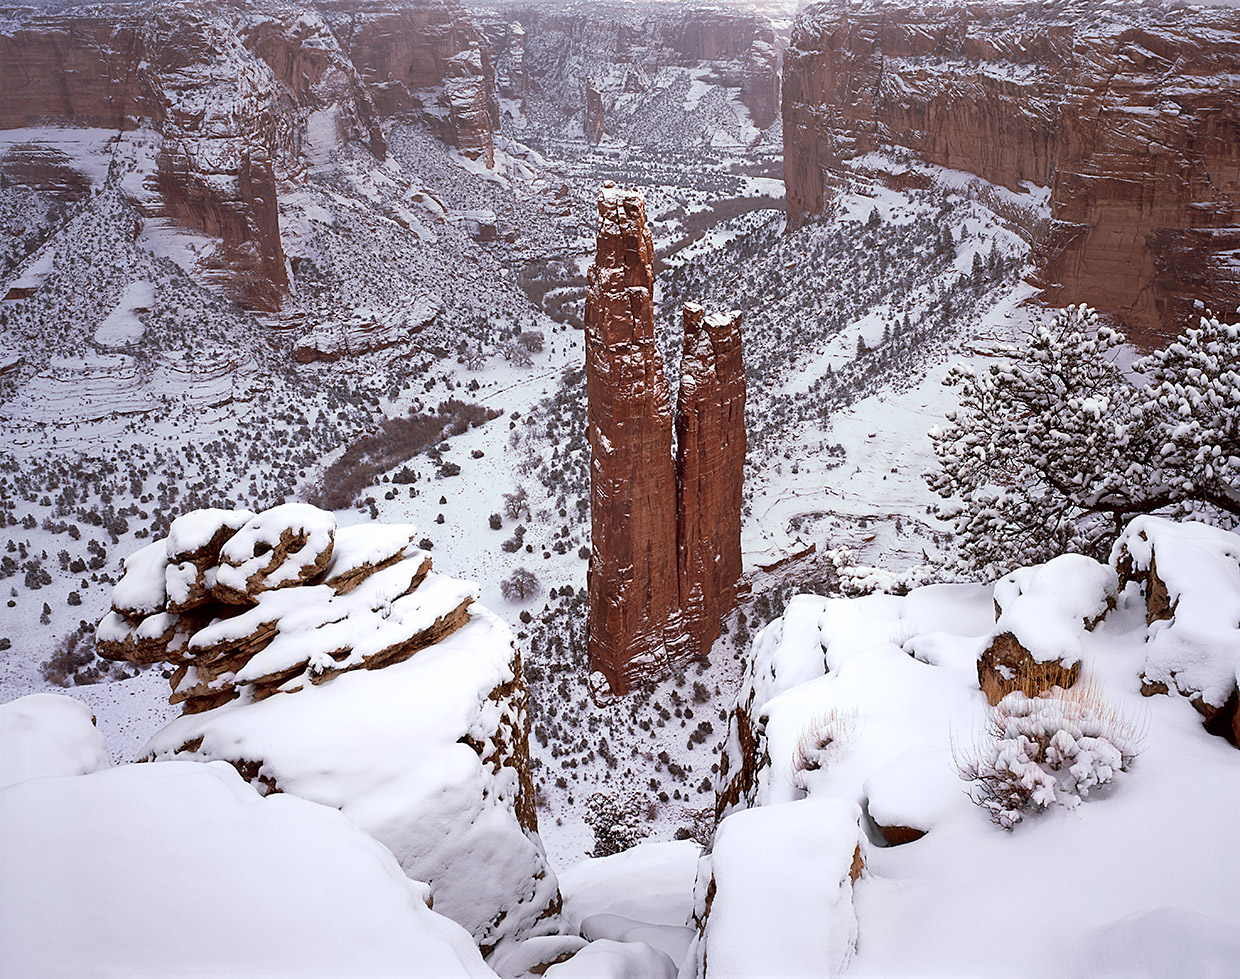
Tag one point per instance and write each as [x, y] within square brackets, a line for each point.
[710, 462]
[1135, 130]
[632, 583]
[429, 60]
[87, 69]
[553, 49]
[217, 167]
[232, 90]
[665, 534]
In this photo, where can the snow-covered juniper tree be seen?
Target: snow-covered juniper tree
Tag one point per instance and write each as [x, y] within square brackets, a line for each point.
[1054, 450]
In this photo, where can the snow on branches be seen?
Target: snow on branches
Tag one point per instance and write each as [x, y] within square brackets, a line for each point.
[1052, 451]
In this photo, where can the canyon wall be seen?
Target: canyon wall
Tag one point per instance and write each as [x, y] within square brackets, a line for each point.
[246, 98]
[1130, 119]
[428, 60]
[665, 532]
[613, 67]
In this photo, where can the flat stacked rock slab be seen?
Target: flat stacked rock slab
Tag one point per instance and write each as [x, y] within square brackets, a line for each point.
[265, 603]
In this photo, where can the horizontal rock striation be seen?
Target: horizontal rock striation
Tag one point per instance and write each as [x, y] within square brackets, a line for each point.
[1131, 120]
[268, 603]
[665, 531]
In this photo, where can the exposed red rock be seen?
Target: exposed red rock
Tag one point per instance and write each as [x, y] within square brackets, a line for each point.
[231, 92]
[1005, 665]
[1134, 129]
[710, 463]
[427, 60]
[595, 120]
[760, 84]
[632, 578]
[665, 535]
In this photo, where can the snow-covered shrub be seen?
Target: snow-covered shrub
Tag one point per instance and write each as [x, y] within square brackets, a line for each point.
[616, 821]
[859, 579]
[1036, 752]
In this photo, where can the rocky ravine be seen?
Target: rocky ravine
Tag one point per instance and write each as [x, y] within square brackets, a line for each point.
[1131, 119]
[626, 69]
[244, 99]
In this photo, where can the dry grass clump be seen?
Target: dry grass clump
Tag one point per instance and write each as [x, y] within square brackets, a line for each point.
[1034, 752]
[826, 733]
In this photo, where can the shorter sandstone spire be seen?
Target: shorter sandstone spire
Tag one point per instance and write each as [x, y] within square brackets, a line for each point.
[710, 461]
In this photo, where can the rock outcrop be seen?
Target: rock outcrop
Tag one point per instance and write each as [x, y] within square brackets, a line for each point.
[268, 603]
[665, 532]
[710, 465]
[1189, 574]
[244, 101]
[596, 123]
[1130, 119]
[426, 60]
[333, 664]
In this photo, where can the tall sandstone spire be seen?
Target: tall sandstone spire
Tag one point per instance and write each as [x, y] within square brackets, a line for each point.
[632, 587]
[665, 532]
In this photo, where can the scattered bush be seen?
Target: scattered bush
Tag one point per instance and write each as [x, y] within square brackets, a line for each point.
[520, 585]
[70, 663]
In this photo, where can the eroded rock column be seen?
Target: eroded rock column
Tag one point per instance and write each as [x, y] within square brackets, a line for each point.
[710, 459]
[633, 589]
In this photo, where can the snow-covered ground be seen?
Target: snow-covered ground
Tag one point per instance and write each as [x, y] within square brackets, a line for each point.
[131, 393]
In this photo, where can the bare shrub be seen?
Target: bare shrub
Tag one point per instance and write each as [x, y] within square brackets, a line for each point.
[520, 585]
[531, 340]
[1035, 752]
[72, 659]
[516, 502]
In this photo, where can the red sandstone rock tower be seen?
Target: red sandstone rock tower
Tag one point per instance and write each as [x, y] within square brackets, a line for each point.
[710, 461]
[632, 586]
[665, 534]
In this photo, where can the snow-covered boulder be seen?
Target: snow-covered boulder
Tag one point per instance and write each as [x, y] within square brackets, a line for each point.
[1190, 575]
[642, 894]
[183, 869]
[356, 677]
[780, 892]
[1042, 612]
[871, 707]
[606, 959]
[266, 603]
[830, 671]
[429, 755]
[47, 734]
